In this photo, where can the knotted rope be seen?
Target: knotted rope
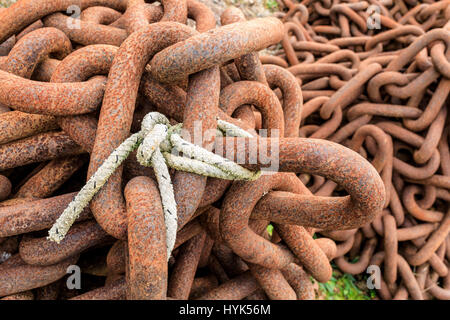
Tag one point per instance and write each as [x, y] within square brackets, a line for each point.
[156, 142]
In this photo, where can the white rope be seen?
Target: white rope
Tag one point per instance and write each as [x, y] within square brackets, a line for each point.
[155, 143]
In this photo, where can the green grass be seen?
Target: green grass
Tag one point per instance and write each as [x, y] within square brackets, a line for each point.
[341, 286]
[272, 5]
[270, 229]
[345, 287]
[6, 3]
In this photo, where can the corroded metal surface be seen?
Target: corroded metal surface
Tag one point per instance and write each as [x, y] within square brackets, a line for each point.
[147, 256]
[42, 252]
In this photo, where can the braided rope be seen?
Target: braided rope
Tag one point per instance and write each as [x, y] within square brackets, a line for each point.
[154, 143]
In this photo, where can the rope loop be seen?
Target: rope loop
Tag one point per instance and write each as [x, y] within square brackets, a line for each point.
[155, 143]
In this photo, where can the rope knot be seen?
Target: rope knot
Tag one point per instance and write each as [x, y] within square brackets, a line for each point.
[155, 143]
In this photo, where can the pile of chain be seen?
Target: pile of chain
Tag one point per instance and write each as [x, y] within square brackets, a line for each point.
[375, 77]
[77, 78]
